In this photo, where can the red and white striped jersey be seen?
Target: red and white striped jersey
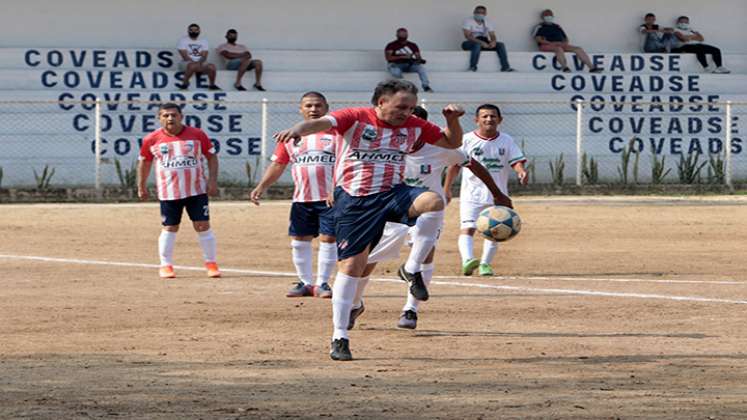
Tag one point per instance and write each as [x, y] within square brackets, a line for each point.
[371, 153]
[180, 171]
[313, 161]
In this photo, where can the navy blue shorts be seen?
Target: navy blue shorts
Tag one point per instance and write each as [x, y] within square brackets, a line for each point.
[311, 219]
[197, 209]
[361, 220]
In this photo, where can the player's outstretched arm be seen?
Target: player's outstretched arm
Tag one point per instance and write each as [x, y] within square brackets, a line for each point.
[499, 199]
[521, 173]
[451, 174]
[304, 128]
[452, 137]
[212, 163]
[271, 175]
[143, 171]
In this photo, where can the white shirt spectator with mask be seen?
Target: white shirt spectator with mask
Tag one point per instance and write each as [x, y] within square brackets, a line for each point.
[194, 47]
[476, 28]
[686, 32]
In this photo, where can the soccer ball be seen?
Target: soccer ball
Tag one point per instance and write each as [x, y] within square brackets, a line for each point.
[498, 223]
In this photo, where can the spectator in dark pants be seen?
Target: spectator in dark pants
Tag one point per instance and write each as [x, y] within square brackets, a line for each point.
[691, 42]
[404, 56]
[656, 39]
[480, 36]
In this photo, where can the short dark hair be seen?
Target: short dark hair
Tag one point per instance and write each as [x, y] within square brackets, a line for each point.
[314, 93]
[420, 112]
[390, 87]
[682, 17]
[231, 31]
[193, 24]
[487, 106]
[481, 7]
[650, 15]
[169, 105]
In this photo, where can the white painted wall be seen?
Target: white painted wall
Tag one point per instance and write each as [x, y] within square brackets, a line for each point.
[598, 25]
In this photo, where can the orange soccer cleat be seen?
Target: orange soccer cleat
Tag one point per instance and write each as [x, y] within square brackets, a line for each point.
[166, 272]
[212, 270]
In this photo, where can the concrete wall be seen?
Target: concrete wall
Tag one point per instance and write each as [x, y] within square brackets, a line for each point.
[598, 25]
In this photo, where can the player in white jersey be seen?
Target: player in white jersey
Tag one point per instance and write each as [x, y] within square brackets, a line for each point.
[499, 153]
[179, 152]
[311, 215]
[424, 168]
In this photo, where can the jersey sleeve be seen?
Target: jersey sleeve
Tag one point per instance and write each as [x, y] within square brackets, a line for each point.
[145, 153]
[206, 145]
[280, 156]
[343, 119]
[430, 133]
[456, 157]
[516, 155]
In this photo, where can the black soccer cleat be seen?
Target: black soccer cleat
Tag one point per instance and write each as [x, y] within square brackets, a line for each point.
[341, 350]
[354, 314]
[408, 320]
[417, 285]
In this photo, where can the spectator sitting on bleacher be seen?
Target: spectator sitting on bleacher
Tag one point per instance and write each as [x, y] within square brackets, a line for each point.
[692, 42]
[194, 52]
[404, 56]
[656, 39]
[480, 34]
[239, 58]
[550, 37]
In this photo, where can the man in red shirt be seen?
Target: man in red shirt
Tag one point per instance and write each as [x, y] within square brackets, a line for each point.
[404, 56]
[179, 152]
[369, 174]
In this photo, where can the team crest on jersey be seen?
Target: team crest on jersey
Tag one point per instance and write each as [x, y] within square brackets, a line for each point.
[502, 151]
[426, 169]
[188, 148]
[164, 148]
[400, 138]
[478, 152]
[369, 133]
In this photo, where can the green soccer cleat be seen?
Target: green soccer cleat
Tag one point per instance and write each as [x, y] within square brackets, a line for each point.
[486, 270]
[469, 266]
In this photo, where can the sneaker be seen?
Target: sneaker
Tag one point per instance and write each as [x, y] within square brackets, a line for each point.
[427, 89]
[166, 272]
[212, 270]
[214, 87]
[323, 291]
[508, 70]
[408, 320]
[566, 70]
[259, 87]
[469, 266]
[486, 270]
[721, 70]
[354, 314]
[182, 86]
[473, 68]
[595, 70]
[340, 350]
[239, 88]
[300, 289]
[417, 285]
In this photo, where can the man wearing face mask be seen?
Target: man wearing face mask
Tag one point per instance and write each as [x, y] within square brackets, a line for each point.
[404, 56]
[480, 36]
[240, 59]
[691, 41]
[194, 52]
[550, 37]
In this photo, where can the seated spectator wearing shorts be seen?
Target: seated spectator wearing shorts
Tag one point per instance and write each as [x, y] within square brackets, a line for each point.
[691, 41]
[550, 37]
[240, 59]
[480, 36]
[656, 39]
[194, 53]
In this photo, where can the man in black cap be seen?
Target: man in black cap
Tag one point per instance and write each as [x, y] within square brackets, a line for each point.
[404, 56]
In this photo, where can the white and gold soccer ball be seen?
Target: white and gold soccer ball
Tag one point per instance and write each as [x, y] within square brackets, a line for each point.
[498, 223]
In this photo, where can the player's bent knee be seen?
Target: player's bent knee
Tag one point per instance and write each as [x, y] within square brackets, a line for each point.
[171, 228]
[201, 226]
[468, 231]
[327, 239]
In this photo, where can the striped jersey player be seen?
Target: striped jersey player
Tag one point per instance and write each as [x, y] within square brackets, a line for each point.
[312, 160]
[179, 153]
[369, 175]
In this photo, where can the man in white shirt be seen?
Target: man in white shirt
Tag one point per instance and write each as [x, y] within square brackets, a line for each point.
[497, 152]
[691, 41]
[480, 36]
[194, 52]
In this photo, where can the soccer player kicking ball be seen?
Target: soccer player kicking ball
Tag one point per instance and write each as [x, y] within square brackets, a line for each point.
[313, 160]
[369, 173]
[424, 168]
[179, 152]
[498, 153]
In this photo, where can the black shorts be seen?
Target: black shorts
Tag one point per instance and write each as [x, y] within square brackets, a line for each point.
[311, 219]
[197, 209]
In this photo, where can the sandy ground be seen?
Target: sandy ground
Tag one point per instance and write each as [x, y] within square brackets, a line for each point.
[601, 308]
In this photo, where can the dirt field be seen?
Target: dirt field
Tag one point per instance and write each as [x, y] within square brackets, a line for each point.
[603, 308]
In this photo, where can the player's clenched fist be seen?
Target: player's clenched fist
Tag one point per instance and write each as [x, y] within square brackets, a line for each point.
[287, 135]
[452, 111]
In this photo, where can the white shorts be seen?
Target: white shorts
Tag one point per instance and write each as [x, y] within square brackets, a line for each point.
[394, 237]
[468, 212]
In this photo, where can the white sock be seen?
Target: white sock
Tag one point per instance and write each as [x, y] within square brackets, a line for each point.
[424, 239]
[166, 247]
[466, 245]
[302, 259]
[489, 248]
[427, 273]
[343, 293]
[327, 260]
[208, 245]
[358, 300]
